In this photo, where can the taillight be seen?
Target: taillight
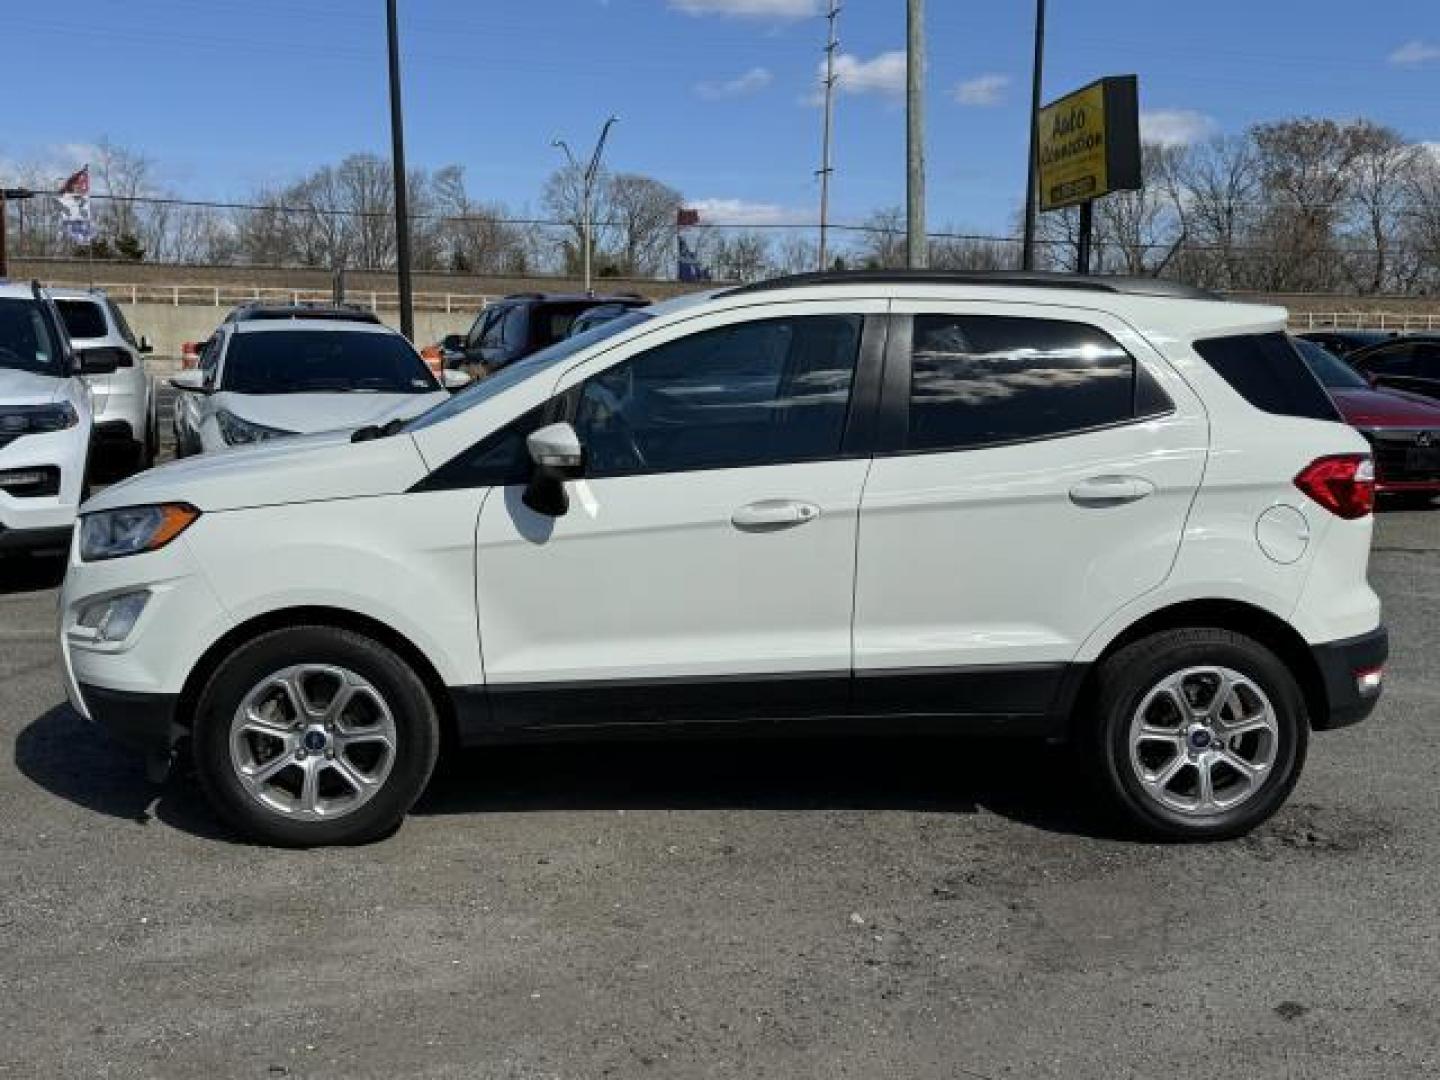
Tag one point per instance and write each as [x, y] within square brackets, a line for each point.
[1342, 483]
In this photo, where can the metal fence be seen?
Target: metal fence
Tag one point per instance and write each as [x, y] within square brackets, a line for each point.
[231, 295]
[1363, 320]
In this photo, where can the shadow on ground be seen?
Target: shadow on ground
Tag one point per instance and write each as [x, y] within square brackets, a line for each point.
[1025, 781]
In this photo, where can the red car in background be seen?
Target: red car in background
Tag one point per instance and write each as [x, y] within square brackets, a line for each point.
[1403, 428]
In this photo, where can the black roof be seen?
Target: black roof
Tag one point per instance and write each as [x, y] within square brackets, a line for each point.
[1020, 279]
[333, 312]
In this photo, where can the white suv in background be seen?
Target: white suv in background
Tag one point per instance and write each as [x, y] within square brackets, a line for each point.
[260, 378]
[45, 423]
[1116, 512]
[124, 400]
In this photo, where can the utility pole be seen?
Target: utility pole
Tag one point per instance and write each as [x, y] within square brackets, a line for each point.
[826, 168]
[402, 197]
[917, 252]
[587, 191]
[1032, 186]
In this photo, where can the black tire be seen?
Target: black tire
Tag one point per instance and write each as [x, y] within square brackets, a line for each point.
[417, 731]
[1124, 680]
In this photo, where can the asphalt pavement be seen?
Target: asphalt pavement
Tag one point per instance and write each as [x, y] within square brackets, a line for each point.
[909, 908]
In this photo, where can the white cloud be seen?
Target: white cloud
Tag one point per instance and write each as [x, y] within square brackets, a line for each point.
[1175, 127]
[1413, 53]
[763, 9]
[982, 90]
[882, 74]
[740, 212]
[752, 81]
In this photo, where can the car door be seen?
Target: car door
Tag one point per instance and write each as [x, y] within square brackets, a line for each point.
[1035, 472]
[704, 570]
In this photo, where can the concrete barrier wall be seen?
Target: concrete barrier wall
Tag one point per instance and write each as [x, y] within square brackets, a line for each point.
[167, 326]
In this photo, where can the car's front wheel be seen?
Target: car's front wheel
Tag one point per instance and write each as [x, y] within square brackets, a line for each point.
[1202, 733]
[315, 735]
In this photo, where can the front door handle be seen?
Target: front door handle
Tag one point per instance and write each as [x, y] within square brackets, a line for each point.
[1102, 491]
[770, 514]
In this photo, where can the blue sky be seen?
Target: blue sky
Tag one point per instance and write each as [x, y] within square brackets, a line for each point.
[713, 94]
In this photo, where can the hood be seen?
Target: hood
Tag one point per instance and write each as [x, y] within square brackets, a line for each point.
[308, 413]
[26, 388]
[1386, 408]
[306, 468]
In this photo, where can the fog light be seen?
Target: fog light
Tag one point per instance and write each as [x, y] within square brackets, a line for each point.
[1367, 680]
[113, 618]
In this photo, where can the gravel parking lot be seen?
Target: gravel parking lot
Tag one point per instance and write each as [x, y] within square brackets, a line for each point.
[856, 909]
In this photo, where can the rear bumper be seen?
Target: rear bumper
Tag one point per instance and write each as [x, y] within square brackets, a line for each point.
[144, 721]
[1340, 663]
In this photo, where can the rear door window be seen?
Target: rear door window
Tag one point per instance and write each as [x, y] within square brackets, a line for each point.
[1267, 371]
[984, 380]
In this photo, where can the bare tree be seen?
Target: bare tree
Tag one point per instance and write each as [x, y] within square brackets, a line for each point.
[642, 211]
[1380, 180]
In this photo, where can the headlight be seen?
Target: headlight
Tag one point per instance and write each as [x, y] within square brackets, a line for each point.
[237, 431]
[17, 420]
[132, 529]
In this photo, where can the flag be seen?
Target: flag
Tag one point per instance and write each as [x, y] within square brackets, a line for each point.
[74, 198]
[78, 184]
[688, 266]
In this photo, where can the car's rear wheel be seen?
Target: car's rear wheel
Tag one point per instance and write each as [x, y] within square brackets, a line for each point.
[315, 735]
[1202, 733]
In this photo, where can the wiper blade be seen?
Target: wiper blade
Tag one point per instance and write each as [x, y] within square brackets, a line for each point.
[378, 431]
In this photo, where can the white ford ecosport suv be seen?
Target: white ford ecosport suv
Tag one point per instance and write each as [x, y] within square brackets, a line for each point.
[1116, 512]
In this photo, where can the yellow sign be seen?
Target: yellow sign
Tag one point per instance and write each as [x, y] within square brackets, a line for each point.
[1087, 141]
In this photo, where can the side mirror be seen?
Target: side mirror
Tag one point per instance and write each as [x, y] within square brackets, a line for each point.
[453, 343]
[191, 380]
[100, 361]
[454, 379]
[145, 347]
[558, 455]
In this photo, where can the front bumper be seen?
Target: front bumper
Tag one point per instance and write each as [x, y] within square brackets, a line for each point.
[1341, 663]
[63, 450]
[143, 721]
[51, 537]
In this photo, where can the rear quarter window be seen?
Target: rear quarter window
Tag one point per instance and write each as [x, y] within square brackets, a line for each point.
[1268, 372]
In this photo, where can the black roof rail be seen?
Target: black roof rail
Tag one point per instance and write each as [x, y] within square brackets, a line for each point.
[525, 296]
[1020, 279]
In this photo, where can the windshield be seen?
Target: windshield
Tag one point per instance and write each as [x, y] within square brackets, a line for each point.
[1333, 373]
[324, 362]
[26, 342]
[482, 391]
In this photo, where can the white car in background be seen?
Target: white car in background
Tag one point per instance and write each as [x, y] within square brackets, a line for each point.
[126, 426]
[261, 379]
[45, 422]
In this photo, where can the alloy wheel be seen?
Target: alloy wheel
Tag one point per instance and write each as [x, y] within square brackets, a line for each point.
[1203, 740]
[313, 742]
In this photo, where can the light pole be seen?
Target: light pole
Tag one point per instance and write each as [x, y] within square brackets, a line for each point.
[587, 191]
[1027, 252]
[917, 252]
[402, 201]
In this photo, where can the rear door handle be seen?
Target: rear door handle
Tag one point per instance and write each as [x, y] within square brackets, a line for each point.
[774, 514]
[1102, 491]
